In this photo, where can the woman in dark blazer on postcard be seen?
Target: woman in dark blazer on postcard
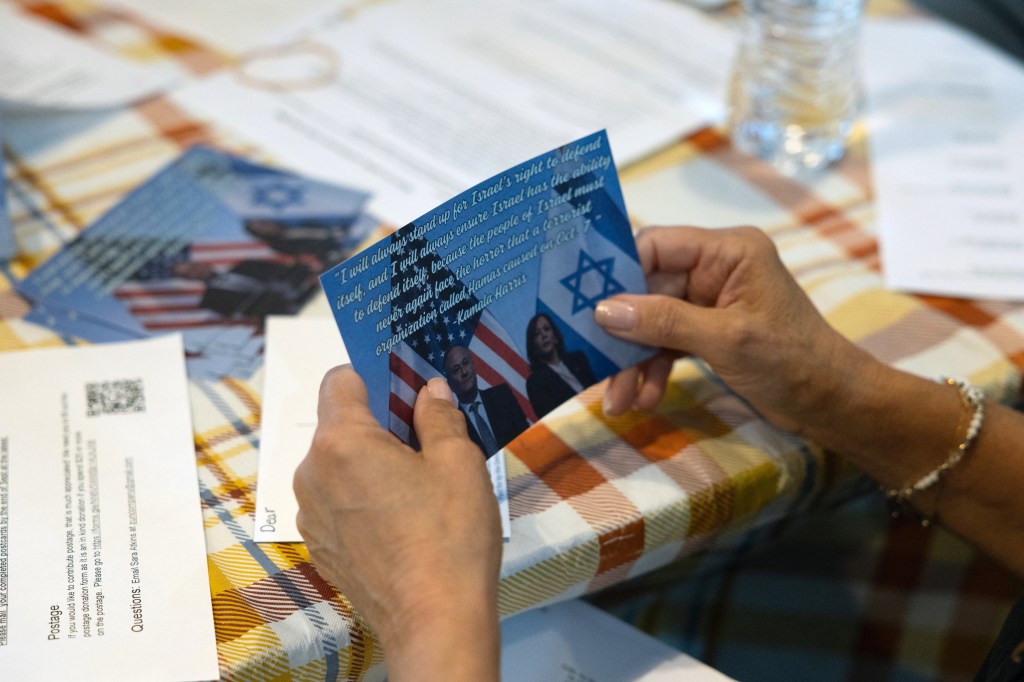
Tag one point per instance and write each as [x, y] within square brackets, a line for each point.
[555, 375]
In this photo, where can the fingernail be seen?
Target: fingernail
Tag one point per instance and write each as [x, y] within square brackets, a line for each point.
[606, 404]
[615, 315]
[438, 388]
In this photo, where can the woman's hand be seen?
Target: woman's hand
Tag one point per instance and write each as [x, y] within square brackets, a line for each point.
[724, 296]
[413, 539]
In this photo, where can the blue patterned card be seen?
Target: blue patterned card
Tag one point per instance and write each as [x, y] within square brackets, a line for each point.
[495, 291]
[209, 246]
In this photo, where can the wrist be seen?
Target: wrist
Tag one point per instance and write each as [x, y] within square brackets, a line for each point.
[453, 637]
[852, 388]
[838, 380]
[894, 425]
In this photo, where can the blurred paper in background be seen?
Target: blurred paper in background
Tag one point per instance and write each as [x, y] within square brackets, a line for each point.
[416, 101]
[576, 642]
[946, 117]
[232, 26]
[45, 66]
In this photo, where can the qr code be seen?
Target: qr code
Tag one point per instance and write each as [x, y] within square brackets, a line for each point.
[115, 397]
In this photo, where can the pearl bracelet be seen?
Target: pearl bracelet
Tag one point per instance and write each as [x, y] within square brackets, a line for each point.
[972, 399]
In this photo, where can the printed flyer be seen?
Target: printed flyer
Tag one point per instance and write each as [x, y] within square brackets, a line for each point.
[495, 290]
[103, 566]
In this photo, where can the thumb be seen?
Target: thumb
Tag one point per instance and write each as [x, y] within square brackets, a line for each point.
[661, 321]
[437, 419]
[343, 394]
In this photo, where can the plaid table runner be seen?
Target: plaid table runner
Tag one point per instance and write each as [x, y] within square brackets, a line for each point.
[594, 501]
[842, 594]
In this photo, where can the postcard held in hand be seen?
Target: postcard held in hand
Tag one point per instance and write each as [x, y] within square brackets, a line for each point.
[495, 291]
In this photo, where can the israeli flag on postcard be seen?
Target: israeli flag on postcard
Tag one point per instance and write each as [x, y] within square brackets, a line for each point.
[600, 263]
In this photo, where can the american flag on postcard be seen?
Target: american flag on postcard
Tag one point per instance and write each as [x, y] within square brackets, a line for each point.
[420, 355]
[163, 301]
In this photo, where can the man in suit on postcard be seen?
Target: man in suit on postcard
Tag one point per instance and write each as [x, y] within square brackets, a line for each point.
[493, 415]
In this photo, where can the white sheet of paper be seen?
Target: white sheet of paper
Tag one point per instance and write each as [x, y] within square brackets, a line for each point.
[103, 572]
[44, 66]
[418, 100]
[946, 117]
[218, 24]
[298, 351]
[576, 642]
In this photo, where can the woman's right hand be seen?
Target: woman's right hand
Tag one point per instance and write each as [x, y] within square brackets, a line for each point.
[724, 296]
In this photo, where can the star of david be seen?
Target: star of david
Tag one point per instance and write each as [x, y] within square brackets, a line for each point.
[591, 282]
[277, 195]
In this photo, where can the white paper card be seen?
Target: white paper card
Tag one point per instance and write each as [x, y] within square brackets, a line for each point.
[576, 642]
[44, 66]
[946, 117]
[298, 352]
[417, 100]
[103, 569]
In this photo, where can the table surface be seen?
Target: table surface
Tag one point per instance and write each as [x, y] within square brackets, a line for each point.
[593, 500]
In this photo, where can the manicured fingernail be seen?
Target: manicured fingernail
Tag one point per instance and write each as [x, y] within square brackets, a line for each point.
[438, 388]
[615, 315]
[606, 403]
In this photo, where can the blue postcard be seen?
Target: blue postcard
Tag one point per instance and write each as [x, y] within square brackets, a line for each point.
[8, 248]
[495, 291]
[209, 246]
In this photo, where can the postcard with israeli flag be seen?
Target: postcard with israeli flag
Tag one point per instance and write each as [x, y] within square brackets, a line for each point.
[7, 244]
[209, 246]
[495, 291]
